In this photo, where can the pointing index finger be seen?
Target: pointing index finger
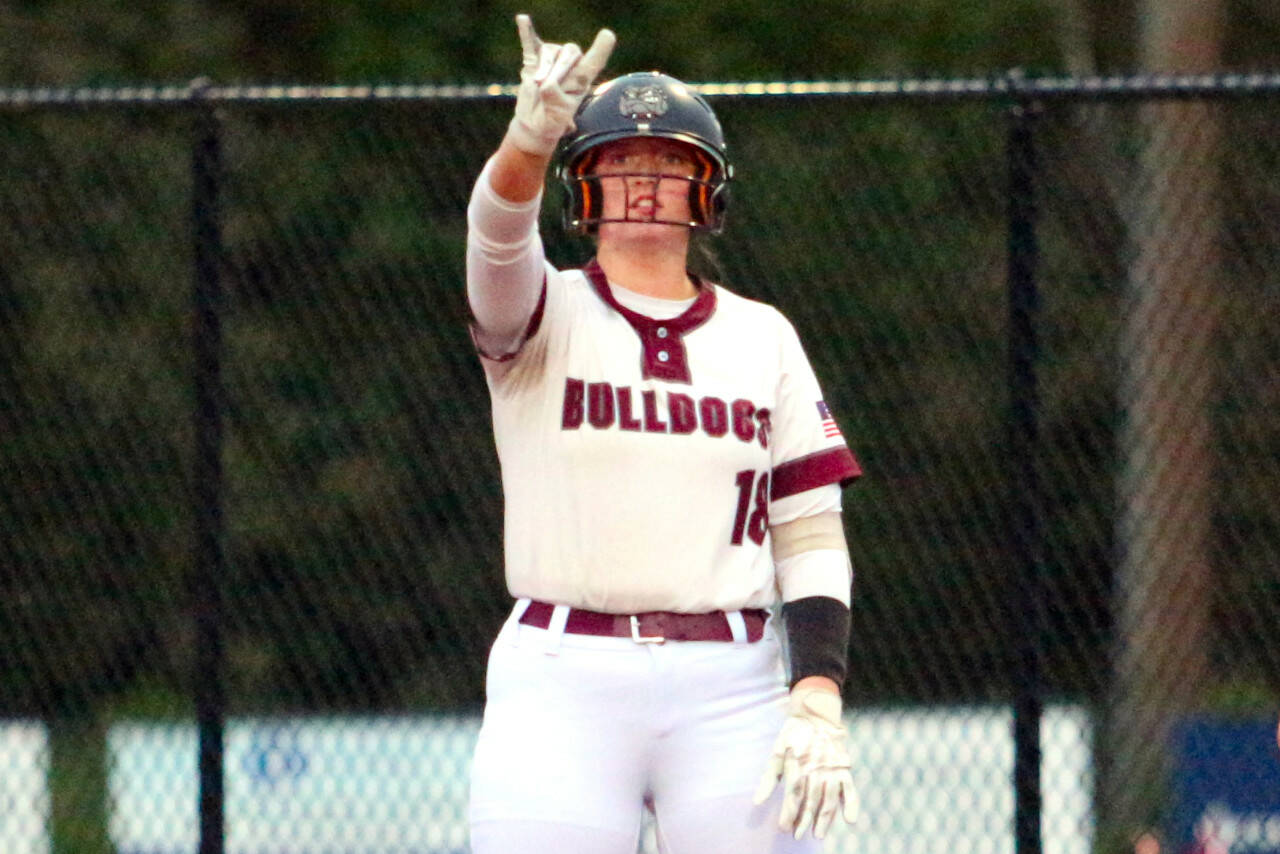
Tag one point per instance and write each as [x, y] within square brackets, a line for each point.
[530, 43]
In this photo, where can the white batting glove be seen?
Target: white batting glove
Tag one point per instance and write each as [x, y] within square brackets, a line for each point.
[554, 79]
[811, 758]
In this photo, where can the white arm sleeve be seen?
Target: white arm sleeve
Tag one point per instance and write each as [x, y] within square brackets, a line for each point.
[811, 557]
[820, 572]
[504, 264]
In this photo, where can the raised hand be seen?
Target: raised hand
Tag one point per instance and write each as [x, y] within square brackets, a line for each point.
[554, 79]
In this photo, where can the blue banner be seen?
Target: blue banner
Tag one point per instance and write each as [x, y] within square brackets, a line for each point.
[1227, 784]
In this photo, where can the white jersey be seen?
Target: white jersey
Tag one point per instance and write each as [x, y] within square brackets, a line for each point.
[644, 459]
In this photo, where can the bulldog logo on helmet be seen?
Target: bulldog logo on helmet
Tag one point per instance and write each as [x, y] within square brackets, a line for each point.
[642, 102]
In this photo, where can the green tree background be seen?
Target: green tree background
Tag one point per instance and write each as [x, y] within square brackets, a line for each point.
[74, 43]
[298, 225]
[295, 202]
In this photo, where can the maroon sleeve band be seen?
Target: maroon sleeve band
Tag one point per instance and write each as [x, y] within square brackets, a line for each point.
[535, 321]
[833, 465]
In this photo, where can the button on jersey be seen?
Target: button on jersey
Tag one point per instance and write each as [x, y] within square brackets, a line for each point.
[640, 457]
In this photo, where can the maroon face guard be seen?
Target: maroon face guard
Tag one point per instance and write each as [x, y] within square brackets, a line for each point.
[637, 190]
[585, 210]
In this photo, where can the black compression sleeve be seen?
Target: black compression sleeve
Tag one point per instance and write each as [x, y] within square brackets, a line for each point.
[818, 637]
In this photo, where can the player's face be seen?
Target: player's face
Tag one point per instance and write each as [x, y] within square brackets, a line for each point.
[646, 180]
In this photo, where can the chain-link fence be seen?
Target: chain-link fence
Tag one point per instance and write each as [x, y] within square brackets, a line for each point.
[250, 509]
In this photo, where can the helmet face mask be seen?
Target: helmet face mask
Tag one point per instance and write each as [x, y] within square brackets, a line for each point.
[640, 105]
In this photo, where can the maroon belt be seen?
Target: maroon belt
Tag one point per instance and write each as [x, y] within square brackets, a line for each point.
[651, 626]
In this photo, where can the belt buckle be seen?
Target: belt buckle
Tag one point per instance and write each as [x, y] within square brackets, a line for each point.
[639, 638]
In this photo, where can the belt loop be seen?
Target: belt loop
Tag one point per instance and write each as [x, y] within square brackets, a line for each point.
[737, 626]
[513, 621]
[555, 630]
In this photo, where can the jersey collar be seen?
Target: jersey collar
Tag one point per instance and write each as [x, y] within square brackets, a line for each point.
[662, 341]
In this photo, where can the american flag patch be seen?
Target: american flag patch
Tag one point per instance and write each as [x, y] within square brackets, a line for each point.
[829, 428]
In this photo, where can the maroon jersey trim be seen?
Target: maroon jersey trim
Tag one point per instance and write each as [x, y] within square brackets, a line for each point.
[663, 354]
[535, 321]
[833, 465]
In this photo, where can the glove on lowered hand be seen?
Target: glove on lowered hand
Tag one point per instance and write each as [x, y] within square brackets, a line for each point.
[554, 79]
[812, 760]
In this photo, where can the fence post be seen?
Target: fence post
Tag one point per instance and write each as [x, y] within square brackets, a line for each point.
[1025, 489]
[207, 566]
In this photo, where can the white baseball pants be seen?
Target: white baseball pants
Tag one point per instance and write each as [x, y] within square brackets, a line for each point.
[580, 732]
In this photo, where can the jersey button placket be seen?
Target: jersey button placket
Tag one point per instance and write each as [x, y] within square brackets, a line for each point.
[664, 355]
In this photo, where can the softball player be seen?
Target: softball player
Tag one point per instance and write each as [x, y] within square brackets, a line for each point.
[670, 473]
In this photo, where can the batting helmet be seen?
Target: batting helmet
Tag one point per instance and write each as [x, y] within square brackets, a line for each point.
[644, 104]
